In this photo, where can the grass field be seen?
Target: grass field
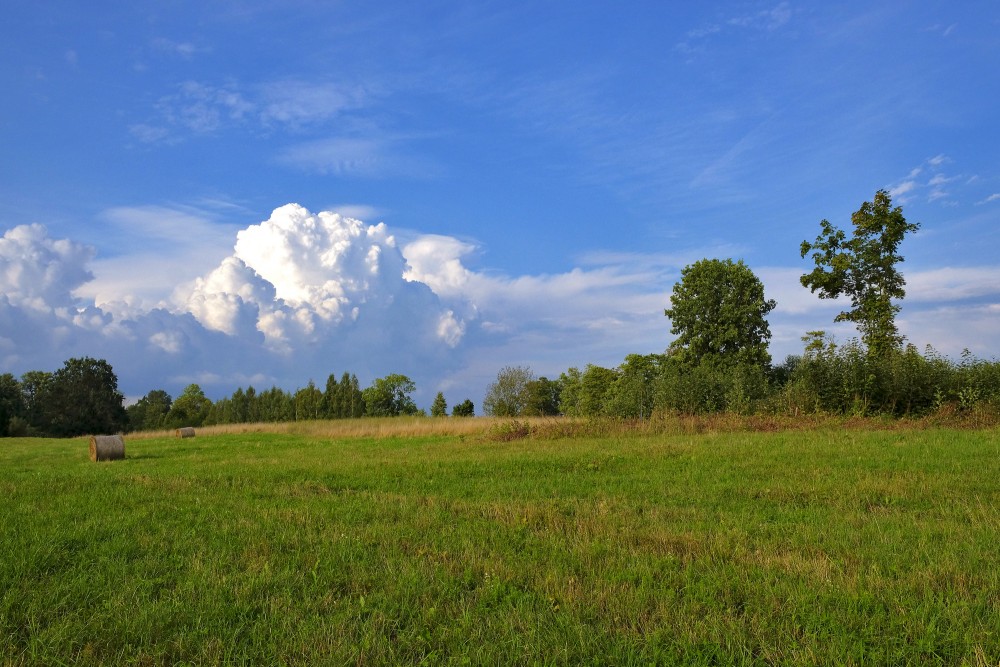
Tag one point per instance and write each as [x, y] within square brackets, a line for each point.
[263, 546]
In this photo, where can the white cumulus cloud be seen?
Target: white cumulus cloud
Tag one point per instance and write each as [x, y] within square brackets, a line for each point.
[40, 272]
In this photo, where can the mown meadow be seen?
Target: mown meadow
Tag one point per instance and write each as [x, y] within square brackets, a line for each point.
[833, 544]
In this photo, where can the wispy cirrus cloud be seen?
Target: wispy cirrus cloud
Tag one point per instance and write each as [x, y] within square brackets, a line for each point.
[203, 108]
[930, 182]
[764, 21]
[185, 50]
[376, 156]
[170, 244]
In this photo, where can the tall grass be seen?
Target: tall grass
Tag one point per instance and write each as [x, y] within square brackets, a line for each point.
[367, 427]
[826, 545]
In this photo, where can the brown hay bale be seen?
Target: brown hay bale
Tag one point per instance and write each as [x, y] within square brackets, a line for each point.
[185, 432]
[107, 448]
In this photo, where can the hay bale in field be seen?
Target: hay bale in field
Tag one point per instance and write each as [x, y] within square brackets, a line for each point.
[107, 448]
[185, 432]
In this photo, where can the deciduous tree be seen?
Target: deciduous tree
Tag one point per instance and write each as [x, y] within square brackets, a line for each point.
[83, 398]
[390, 396]
[719, 314]
[542, 398]
[190, 408]
[863, 268]
[507, 395]
[11, 402]
[150, 412]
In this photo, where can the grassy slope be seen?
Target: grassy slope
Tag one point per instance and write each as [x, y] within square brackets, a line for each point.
[796, 548]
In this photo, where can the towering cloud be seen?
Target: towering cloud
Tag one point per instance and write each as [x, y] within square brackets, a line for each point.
[300, 277]
[41, 273]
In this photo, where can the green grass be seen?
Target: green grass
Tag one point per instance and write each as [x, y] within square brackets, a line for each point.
[812, 547]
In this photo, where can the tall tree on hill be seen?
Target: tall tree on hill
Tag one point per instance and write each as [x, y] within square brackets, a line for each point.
[719, 314]
[863, 268]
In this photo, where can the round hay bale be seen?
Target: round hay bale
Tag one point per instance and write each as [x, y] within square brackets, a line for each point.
[107, 448]
[185, 432]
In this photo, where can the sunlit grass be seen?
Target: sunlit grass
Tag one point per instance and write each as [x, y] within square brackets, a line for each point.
[825, 545]
[349, 428]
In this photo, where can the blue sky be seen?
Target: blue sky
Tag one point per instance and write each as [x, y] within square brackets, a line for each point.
[541, 172]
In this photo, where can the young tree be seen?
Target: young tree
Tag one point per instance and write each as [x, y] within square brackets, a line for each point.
[439, 408]
[718, 312]
[507, 396]
[464, 409]
[863, 268]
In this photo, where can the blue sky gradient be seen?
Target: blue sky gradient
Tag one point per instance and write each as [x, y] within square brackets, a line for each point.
[543, 170]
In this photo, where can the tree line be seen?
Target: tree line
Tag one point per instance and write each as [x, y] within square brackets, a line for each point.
[83, 398]
[718, 361]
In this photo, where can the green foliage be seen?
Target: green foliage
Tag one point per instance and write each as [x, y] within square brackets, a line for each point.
[542, 398]
[718, 312]
[344, 399]
[149, 413]
[191, 408]
[390, 396]
[439, 408]
[275, 405]
[570, 384]
[309, 403]
[633, 392]
[34, 387]
[597, 385]
[11, 403]
[464, 409]
[846, 379]
[507, 396]
[863, 268]
[691, 390]
[82, 398]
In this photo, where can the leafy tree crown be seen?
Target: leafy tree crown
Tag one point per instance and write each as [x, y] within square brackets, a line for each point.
[863, 268]
[718, 312]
